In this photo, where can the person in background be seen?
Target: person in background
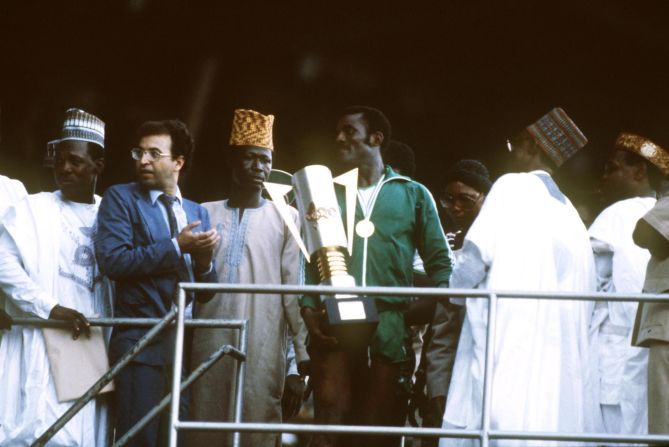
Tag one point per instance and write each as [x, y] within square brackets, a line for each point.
[464, 190]
[631, 177]
[401, 157]
[462, 195]
[651, 327]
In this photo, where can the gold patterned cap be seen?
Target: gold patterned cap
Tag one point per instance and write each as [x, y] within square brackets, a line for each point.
[251, 128]
[645, 148]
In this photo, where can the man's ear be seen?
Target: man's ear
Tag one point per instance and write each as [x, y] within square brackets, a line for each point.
[533, 148]
[180, 161]
[640, 171]
[376, 138]
[99, 165]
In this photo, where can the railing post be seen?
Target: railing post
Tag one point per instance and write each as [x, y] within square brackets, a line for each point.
[239, 383]
[488, 369]
[176, 370]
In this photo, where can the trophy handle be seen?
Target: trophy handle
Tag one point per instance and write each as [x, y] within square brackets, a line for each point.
[282, 178]
[277, 193]
[349, 180]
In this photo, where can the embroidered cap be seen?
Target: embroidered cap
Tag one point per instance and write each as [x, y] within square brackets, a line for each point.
[557, 135]
[251, 128]
[644, 147]
[82, 126]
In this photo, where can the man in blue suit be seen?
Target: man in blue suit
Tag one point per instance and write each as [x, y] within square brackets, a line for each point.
[149, 239]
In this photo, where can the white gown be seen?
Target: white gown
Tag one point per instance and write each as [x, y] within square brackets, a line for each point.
[621, 267]
[11, 191]
[527, 237]
[46, 258]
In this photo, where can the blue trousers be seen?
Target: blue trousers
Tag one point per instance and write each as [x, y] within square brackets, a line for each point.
[139, 388]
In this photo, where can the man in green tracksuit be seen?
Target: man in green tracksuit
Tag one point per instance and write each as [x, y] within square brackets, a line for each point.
[395, 219]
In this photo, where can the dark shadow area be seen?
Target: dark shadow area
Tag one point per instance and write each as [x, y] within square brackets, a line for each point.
[455, 78]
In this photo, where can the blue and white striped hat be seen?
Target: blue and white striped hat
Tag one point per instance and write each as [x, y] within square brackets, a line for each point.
[82, 126]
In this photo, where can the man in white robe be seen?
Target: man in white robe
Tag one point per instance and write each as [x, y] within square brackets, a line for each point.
[527, 237]
[48, 270]
[631, 176]
[11, 191]
[256, 248]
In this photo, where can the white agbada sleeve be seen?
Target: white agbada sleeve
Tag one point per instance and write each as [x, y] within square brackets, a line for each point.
[27, 224]
[23, 292]
[11, 192]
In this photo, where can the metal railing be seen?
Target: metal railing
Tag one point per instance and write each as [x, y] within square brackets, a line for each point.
[156, 325]
[485, 434]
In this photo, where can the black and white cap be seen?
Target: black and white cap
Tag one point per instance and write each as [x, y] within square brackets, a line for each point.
[82, 126]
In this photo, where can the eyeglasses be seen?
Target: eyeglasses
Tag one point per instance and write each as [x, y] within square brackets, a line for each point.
[151, 154]
[464, 201]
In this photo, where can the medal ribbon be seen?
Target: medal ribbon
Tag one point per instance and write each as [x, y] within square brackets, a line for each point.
[366, 214]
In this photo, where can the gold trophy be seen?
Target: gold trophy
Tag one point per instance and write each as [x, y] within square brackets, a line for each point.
[351, 319]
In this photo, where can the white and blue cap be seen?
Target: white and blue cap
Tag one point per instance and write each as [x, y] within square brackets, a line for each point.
[82, 126]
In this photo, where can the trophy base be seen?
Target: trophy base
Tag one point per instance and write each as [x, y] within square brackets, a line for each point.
[351, 320]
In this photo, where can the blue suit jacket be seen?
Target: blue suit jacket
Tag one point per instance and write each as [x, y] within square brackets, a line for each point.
[134, 248]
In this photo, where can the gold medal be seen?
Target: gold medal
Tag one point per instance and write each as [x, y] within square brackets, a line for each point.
[364, 228]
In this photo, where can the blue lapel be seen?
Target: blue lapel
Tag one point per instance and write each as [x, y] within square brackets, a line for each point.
[153, 217]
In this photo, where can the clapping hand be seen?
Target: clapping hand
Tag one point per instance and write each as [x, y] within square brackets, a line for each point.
[200, 245]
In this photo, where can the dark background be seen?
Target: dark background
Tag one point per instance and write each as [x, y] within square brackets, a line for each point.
[456, 78]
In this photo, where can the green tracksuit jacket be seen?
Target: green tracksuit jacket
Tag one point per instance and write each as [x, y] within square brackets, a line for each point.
[405, 220]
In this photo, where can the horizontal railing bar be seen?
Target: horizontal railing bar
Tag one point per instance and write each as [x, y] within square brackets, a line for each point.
[420, 291]
[130, 322]
[418, 432]
[341, 429]
[589, 437]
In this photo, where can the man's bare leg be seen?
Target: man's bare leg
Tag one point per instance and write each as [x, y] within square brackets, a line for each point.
[385, 403]
[331, 375]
